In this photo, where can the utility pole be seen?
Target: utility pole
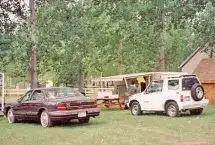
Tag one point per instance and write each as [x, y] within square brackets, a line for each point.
[33, 58]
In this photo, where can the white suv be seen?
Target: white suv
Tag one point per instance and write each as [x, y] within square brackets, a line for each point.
[172, 95]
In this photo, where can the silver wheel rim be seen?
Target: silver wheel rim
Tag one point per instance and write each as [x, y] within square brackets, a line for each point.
[199, 93]
[135, 109]
[44, 119]
[172, 111]
[10, 116]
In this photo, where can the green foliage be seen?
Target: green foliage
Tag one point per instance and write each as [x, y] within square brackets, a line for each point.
[205, 28]
[86, 36]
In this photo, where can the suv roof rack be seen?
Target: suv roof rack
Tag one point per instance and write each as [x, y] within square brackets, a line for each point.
[188, 76]
[180, 76]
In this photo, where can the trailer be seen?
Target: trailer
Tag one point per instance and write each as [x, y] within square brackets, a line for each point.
[118, 95]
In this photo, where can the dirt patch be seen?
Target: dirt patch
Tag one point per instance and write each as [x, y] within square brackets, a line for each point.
[209, 128]
[196, 143]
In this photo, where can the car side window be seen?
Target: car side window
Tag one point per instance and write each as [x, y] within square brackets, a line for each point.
[173, 84]
[26, 97]
[156, 86]
[37, 95]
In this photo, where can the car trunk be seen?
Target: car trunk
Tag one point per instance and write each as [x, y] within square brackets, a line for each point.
[75, 103]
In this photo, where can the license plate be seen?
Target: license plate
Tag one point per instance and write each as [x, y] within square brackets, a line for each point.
[82, 114]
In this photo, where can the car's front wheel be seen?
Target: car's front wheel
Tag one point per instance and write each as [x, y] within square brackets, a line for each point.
[172, 109]
[11, 117]
[45, 119]
[197, 111]
[135, 108]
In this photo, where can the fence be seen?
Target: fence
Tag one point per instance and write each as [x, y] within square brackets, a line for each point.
[14, 94]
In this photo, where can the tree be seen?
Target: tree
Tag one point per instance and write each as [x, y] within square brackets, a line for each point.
[204, 25]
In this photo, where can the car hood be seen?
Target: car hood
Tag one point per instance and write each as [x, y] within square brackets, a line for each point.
[11, 104]
[136, 96]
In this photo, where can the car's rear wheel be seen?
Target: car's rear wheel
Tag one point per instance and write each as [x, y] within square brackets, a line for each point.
[45, 119]
[172, 109]
[84, 120]
[11, 117]
[197, 111]
[135, 108]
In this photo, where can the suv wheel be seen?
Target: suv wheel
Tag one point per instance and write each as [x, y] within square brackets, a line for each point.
[197, 111]
[10, 116]
[45, 119]
[136, 109]
[197, 92]
[172, 109]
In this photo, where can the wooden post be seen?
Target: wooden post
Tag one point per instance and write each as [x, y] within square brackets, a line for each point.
[2, 89]
[33, 58]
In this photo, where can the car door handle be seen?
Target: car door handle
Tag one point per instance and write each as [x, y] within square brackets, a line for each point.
[146, 101]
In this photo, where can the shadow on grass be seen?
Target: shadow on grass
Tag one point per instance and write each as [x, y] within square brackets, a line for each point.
[72, 124]
[185, 114]
[77, 124]
[111, 109]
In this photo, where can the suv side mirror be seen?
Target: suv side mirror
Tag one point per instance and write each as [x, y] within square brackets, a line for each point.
[146, 92]
[19, 100]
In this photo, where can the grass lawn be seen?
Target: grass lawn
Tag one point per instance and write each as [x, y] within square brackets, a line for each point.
[116, 127]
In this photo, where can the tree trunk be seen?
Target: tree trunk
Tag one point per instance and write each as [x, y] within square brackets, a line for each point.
[81, 81]
[120, 58]
[212, 51]
[163, 65]
[33, 58]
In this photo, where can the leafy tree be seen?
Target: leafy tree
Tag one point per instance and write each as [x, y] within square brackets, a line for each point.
[204, 25]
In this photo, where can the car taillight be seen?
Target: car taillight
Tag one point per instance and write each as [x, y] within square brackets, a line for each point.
[61, 106]
[182, 98]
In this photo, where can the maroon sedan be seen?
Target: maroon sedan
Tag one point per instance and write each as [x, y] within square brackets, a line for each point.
[52, 104]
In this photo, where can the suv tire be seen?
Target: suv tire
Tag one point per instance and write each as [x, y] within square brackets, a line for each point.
[197, 111]
[136, 109]
[197, 92]
[172, 109]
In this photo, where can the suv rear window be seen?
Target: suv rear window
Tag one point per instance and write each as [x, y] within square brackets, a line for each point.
[187, 83]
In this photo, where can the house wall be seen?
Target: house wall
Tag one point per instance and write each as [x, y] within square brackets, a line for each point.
[210, 91]
[191, 65]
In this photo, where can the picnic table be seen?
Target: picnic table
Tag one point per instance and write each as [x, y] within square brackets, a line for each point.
[108, 99]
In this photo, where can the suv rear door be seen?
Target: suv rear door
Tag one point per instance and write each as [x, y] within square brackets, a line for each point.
[187, 84]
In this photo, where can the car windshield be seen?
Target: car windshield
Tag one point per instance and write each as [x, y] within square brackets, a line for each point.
[58, 93]
[187, 83]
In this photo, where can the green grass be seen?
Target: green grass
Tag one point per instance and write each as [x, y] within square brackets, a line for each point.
[115, 127]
